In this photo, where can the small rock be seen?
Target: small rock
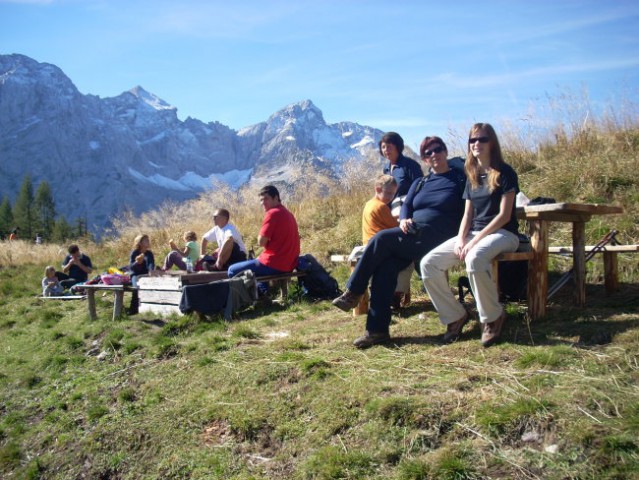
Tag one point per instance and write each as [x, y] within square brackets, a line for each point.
[552, 448]
[103, 355]
[530, 437]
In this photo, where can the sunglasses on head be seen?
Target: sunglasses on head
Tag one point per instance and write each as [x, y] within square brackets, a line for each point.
[478, 139]
[428, 153]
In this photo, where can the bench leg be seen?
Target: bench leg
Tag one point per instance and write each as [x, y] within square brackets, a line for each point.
[117, 305]
[91, 303]
[611, 272]
[362, 306]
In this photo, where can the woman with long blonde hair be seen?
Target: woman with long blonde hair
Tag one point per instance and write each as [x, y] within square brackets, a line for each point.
[488, 228]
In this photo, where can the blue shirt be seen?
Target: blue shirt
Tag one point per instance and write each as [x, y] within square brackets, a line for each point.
[438, 204]
[405, 172]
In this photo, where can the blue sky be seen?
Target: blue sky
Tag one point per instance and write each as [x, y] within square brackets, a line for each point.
[416, 67]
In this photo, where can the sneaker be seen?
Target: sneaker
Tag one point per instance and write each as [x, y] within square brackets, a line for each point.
[347, 301]
[371, 338]
[492, 331]
[454, 330]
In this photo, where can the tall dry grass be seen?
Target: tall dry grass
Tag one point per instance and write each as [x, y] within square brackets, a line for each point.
[581, 157]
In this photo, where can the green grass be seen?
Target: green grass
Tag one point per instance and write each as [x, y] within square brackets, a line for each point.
[281, 393]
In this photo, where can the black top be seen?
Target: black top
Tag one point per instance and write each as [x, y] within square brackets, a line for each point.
[486, 204]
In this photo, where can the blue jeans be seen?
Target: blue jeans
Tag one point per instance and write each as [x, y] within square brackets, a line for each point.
[257, 268]
[388, 253]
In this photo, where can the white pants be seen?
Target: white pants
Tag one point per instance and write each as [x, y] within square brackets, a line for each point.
[479, 267]
[403, 279]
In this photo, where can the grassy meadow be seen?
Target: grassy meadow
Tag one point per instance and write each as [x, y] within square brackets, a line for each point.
[280, 393]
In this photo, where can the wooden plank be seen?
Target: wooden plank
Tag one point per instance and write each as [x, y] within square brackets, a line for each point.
[168, 282]
[171, 297]
[65, 297]
[607, 248]
[202, 277]
[514, 256]
[538, 269]
[159, 309]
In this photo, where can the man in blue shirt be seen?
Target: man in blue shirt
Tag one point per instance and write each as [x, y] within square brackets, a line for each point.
[405, 170]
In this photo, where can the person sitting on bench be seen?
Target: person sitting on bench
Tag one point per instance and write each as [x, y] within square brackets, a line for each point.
[279, 236]
[76, 267]
[230, 246]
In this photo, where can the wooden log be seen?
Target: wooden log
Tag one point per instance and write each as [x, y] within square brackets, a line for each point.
[579, 261]
[611, 272]
[538, 269]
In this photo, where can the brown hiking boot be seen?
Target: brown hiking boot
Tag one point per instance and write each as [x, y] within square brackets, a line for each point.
[492, 331]
[347, 301]
[371, 338]
[454, 330]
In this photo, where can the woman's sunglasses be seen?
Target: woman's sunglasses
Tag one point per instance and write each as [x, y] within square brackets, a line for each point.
[478, 139]
[428, 153]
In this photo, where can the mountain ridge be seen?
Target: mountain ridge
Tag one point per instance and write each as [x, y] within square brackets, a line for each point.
[104, 156]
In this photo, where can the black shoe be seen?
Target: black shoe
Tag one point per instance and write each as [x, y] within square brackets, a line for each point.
[369, 339]
[347, 301]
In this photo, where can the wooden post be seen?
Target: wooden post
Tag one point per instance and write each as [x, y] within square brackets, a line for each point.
[91, 301]
[611, 274]
[579, 261]
[538, 269]
[119, 301]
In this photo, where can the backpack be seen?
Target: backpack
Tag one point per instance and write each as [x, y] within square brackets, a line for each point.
[317, 283]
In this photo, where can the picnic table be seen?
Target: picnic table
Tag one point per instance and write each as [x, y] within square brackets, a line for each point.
[539, 218]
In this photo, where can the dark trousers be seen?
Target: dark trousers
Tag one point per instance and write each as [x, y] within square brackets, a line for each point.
[386, 254]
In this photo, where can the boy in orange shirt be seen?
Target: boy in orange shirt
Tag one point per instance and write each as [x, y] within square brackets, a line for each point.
[377, 214]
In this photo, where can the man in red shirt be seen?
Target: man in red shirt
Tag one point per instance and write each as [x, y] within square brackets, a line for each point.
[278, 236]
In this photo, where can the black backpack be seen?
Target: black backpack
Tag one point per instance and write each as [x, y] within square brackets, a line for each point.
[317, 283]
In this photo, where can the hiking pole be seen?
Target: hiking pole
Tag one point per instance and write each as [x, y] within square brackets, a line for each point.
[600, 246]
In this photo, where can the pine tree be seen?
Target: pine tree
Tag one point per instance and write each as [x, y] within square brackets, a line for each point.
[62, 231]
[23, 208]
[6, 217]
[44, 210]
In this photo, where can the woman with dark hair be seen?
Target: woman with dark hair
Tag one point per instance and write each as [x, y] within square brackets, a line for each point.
[489, 227]
[405, 170]
[431, 214]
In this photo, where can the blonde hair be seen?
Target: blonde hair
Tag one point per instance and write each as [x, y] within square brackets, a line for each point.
[385, 180]
[49, 269]
[190, 236]
[496, 158]
[138, 240]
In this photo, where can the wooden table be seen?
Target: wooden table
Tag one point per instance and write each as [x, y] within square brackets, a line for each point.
[118, 291]
[539, 218]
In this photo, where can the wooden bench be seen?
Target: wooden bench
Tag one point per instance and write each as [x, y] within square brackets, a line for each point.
[161, 293]
[118, 292]
[610, 252]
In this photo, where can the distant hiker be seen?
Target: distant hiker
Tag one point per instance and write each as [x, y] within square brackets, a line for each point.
[230, 246]
[76, 267]
[405, 170]
[13, 235]
[431, 213]
[38, 239]
[141, 262]
[178, 256]
[489, 227]
[279, 236]
[50, 284]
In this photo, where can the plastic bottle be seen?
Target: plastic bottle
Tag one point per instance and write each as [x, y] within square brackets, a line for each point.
[189, 265]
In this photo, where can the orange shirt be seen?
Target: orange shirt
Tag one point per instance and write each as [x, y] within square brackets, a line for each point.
[376, 216]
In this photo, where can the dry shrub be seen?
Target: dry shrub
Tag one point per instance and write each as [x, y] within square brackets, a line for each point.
[577, 156]
[21, 252]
